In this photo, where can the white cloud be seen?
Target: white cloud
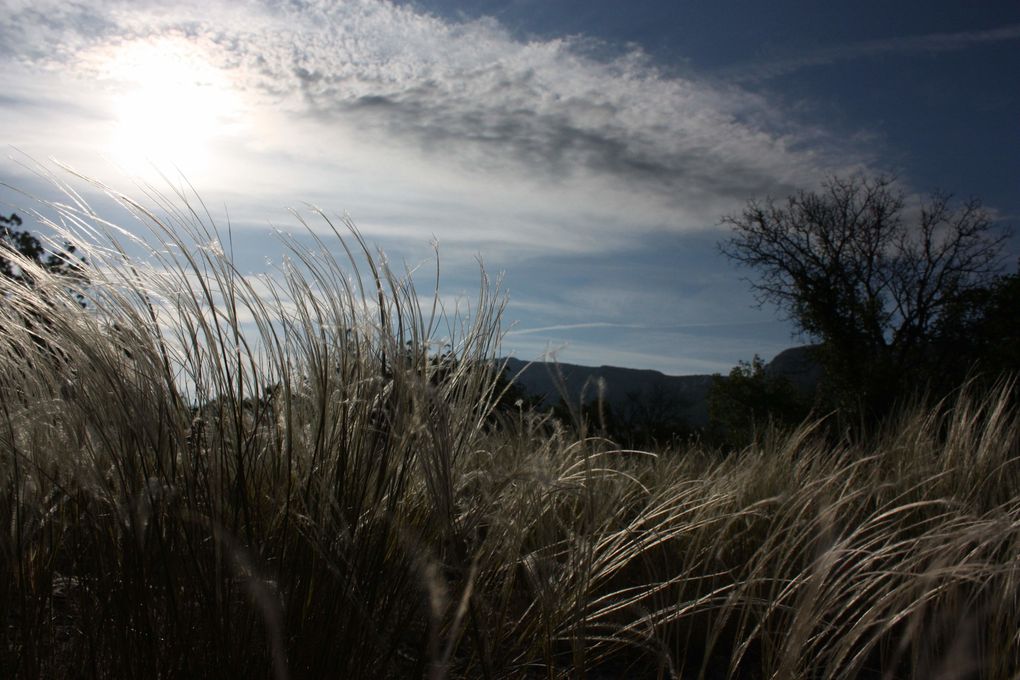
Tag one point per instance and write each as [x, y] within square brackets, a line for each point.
[420, 127]
[456, 128]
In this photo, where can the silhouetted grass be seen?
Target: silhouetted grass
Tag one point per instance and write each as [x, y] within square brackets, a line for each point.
[205, 475]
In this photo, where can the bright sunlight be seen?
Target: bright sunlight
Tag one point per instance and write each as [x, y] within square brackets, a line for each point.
[173, 107]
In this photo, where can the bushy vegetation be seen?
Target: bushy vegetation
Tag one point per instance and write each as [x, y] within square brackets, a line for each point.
[746, 404]
[207, 475]
[897, 303]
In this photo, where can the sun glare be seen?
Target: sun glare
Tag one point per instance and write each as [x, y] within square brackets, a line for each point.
[173, 106]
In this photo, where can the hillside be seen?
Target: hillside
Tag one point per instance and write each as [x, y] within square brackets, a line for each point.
[687, 394]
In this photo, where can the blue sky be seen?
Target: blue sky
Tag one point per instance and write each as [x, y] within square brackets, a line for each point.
[586, 149]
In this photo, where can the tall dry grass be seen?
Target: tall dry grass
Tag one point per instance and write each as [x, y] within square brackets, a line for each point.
[206, 475]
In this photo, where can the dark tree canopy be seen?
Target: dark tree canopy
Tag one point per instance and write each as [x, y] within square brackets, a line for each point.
[984, 324]
[16, 244]
[22, 256]
[744, 404]
[873, 281]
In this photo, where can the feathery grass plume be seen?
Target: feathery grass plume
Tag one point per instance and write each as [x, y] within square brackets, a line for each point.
[204, 473]
[216, 462]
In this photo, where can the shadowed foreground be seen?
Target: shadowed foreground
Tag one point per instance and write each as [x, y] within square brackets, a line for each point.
[205, 475]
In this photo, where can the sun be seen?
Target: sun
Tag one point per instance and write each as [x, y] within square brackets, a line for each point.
[171, 106]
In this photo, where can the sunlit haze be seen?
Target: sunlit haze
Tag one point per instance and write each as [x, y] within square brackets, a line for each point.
[172, 106]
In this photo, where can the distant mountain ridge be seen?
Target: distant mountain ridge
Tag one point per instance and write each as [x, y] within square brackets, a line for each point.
[688, 394]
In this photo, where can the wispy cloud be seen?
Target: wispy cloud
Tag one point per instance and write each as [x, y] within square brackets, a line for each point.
[917, 44]
[473, 94]
[532, 153]
[574, 327]
[601, 325]
[468, 98]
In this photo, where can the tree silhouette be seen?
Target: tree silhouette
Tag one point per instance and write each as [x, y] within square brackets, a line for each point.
[876, 289]
[18, 244]
[983, 325]
[22, 256]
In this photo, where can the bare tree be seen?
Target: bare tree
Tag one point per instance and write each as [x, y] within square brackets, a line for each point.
[854, 274]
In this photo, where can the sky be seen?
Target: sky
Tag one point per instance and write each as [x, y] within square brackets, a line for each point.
[585, 150]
